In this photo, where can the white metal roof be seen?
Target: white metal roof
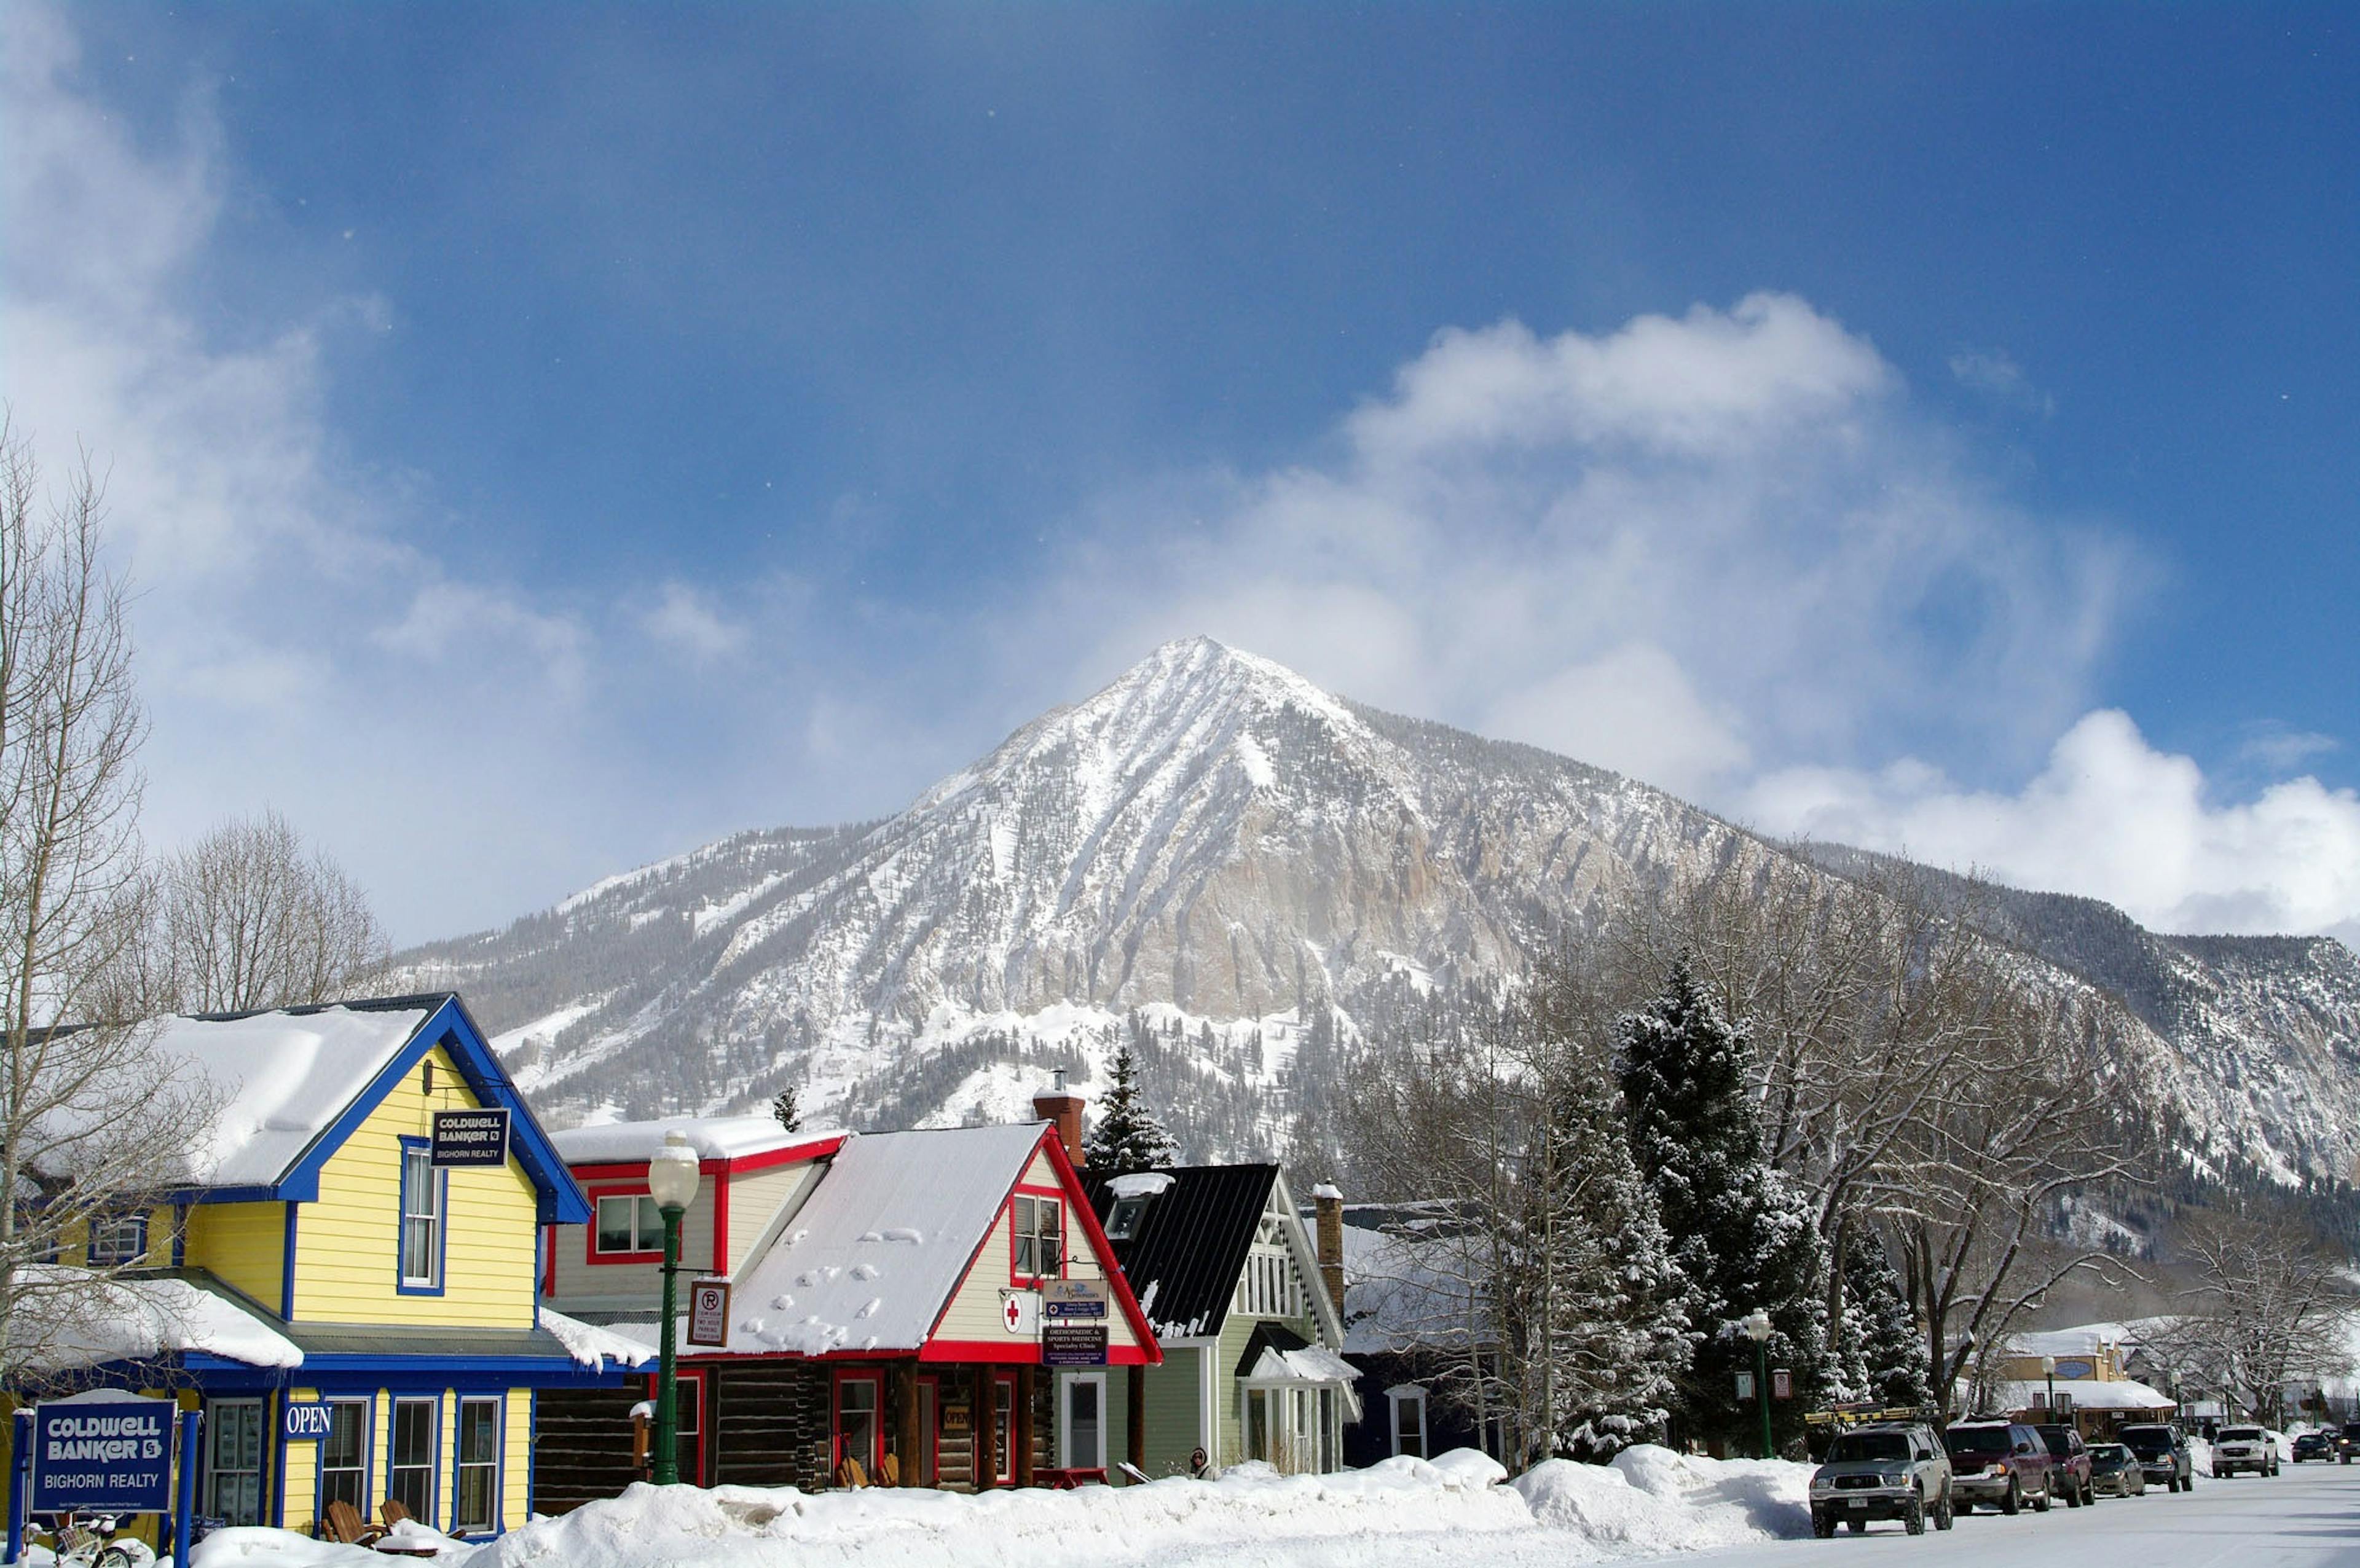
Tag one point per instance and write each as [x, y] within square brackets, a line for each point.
[713, 1137]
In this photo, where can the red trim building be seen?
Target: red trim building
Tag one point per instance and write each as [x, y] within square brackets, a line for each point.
[886, 1307]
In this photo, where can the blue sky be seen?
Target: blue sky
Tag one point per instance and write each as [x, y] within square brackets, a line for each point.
[549, 437]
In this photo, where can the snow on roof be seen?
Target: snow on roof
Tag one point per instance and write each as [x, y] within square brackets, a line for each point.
[593, 1346]
[284, 1077]
[869, 1260]
[713, 1137]
[2089, 1394]
[1312, 1363]
[2083, 1339]
[1141, 1184]
[1404, 1289]
[73, 1320]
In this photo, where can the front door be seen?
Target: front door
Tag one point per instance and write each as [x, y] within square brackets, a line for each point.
[1081, 1420]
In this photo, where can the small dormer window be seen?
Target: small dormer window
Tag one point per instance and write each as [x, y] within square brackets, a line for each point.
[1122, 1220]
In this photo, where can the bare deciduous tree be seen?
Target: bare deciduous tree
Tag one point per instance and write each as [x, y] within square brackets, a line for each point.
[93, 1124]
[2269, 1308]
[247, 916]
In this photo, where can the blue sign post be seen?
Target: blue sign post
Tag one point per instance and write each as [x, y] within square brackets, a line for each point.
[103, 1453]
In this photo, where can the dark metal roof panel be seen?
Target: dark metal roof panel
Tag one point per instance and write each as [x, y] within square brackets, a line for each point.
[1192, 1241]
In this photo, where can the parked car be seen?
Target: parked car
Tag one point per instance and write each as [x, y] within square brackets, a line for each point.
[2004, 1464]
[2115, 1471]
[2071, 1470]
[2347, 1442]
[2162, 1455]
[2252, 1449]
[1895, 1470]
[2314, 1445]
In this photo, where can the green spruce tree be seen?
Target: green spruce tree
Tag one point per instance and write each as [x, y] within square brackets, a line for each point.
[1127, 1137]
[783, 1107]
[1880, 1354]
[1742, 1237]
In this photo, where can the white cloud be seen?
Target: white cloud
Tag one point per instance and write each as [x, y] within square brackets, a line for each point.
[1995, 374]
[681, 618]
[2111, 817]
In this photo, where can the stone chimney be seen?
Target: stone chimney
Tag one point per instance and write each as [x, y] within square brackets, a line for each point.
[1057, 1104]
[1327, 1219]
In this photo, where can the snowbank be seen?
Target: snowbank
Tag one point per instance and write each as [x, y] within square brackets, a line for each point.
[1652, 1501]
[751, 1528]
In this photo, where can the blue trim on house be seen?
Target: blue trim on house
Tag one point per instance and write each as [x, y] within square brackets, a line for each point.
[322, 1371]
[368, 1402]
[434, 1447]
[442, 1180]
[499, 1461]
[532, 1447]
[274, 1417]
[558, 1199]
[287, 1271]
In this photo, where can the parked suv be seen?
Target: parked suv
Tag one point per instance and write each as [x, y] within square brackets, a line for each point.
[2162, 1453]
[2071, 1470]
[2247, 1448]
[2348, 1443]
[1895, 1470]
[2004, 1464]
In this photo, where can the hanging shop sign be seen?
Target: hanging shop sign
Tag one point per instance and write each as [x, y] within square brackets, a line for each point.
[1074, 1300]
[105, 1452]
[1067, 1341]
[471, 1138]
[708, 1311]
[1020, 1313]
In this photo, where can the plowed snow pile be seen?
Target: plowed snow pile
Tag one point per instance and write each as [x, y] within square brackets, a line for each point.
[1652, 1501]
[1403, 1511]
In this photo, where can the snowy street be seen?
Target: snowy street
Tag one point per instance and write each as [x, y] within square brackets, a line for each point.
[2307, 1517]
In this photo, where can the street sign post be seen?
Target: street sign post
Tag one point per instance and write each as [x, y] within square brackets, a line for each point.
[105, 1452]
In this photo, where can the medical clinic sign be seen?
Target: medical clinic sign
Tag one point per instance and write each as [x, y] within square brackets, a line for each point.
[108, 1454]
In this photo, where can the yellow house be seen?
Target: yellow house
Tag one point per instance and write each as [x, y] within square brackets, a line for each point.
[347, 1283]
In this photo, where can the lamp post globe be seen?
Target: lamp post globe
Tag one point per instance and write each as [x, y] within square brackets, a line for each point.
[673, 1176]
[1755, 1326]
[2049, 1371]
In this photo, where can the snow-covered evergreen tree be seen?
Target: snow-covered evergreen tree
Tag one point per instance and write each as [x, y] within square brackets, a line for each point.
[1127, 1137]
[1602, 1308]
[785, 1108]
[1879, 1355]
[1743, 1235]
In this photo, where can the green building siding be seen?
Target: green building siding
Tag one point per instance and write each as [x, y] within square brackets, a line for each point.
[1235, 1331]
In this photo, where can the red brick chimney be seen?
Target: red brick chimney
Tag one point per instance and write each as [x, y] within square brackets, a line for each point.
[1059, 1104]
[1327, 1219]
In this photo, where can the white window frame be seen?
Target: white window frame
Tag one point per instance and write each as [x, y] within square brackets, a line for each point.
[106, 1235]
[1065, 1385]
[642, 1204]
[1395, 1397]
[415, 1158]
[1031, 1261]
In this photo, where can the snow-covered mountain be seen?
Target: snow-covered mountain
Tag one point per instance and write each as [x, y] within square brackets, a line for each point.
[1238, 871]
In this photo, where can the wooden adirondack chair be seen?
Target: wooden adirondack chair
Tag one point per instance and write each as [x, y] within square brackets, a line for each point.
[342, 1522]
[888, 1470]
[851, 1476]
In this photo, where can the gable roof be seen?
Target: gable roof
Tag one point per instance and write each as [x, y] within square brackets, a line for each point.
[296, 1082]
[1190, 1247]
[871, 1258]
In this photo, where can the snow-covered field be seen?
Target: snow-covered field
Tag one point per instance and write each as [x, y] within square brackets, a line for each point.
[1649, 1502]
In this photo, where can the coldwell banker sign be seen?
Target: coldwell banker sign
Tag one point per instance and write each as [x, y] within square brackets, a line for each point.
[471, 1138]
[108, 1454]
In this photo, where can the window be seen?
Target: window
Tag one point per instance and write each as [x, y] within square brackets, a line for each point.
[630, 1222]
[1040, 1250]
[1409, 1420]
[118, 1242]
[233, 1460]
[410, 1467]
[1122, 1220]
[1267, 1288]
[344, 1455]
[1084, 1441]
[422, 1218]
[857, 1426]
[478, 1476]
[1004, 1427]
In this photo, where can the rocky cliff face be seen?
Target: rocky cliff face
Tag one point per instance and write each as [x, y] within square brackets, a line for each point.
[1236, 870]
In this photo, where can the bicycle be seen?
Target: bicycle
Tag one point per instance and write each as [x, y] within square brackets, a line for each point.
[99, 1543]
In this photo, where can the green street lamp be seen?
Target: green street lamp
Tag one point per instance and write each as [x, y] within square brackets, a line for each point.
[671, 1182]
[1755, 1326]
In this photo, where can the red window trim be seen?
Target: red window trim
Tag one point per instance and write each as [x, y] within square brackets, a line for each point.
[1065, 1230]
[872, 1461]
[590, 1252]
[933, 1439]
